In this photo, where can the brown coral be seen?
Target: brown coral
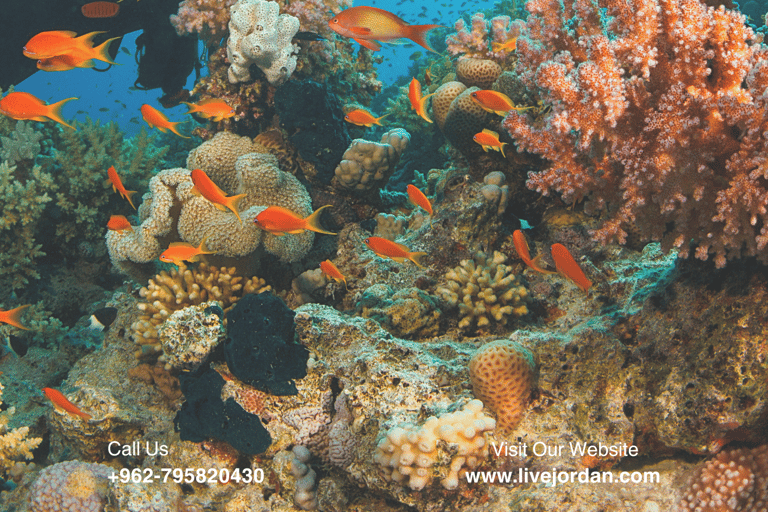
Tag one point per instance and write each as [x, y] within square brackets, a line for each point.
[477, 72]
[464, 119]
[441, 101]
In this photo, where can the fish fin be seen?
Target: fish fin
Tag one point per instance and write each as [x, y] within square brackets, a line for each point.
[535, 265]
[101, 52]
[233, 203]
[128, 194]
[416, 258]
[485, 147]
[54, 112]
[178, 244]
[313, 221]
[501, 148]
[86, 64]
[378, 120]
[490, 132]
[220, 207]
[196, 191]
[418, 34]
[360, 31]
[86, 40]
[14, 317]
[172, 127]
[368, 43]
[192, 107]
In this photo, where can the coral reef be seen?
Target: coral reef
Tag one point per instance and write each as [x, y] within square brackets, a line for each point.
[23, 144]
[306, 479]
[390, 226]
[408, 452]
[208, 18]
[656, 120]
[217, 157]
[188, 335]
[480, 40]
[71, 486]
[735, 479]
[408, 313]
[15, 444]
[485, 291]
[367, 166]
[259, 34]
[174, 291]
[502, 372]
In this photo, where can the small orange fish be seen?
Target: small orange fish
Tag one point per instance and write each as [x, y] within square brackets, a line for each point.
[209, 190]
[56, 42]
[100, 10]
[361, 117]
[61, 403]
[157, 119]
[330, 270]
[369, 25]
[179, 252]
[279, 221]
[428, 75]
[212, 108]
[568, 267]
[119, 223]
[418, 198]
[117, 185]
[495, 102]
[389, 249]
[13, 317]
[418, 103]
[63, 63]
[22, 105]
[489, 139]
[521, 246]
[509, 45]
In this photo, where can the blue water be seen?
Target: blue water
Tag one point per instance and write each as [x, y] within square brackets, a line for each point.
[110, 96]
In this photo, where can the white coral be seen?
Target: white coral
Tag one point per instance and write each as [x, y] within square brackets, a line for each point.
[259, 34]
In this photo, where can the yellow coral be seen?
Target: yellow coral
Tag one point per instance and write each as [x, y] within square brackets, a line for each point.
[14, 444]
[485, 290]
[217, 158]
[169, 292]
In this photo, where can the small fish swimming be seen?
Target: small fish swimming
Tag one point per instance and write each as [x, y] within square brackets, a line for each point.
[509, 45]
[362, 117]
[157, 119]
[61, 403]
[418, 198]
[23, 106]
[56, 42]
[211, 108]
[279, 221]
[370, 25]
[332, 271]
[13, 316]
[489, 139]
[388, 249]
[102, 318]
[568, 267]
[119, 223]
[179, 252]
[309, 36]
[18, 345]
[495, 102]
[117, 185]
[209, 190]
[418, 102]
[521, 246]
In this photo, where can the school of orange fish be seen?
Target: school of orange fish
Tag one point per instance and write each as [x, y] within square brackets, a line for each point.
[368, 26]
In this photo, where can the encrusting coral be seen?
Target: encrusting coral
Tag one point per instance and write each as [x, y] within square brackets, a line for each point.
[368, 165]
[408, 452]
[485, 291]
[657, 119]
[15, 445]
[70, 486]
[170, 292]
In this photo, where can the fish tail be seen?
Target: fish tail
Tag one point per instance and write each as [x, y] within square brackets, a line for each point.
[54, 112]
[416, 257]
[313, 221]
[501, 148]
[172, 127]
[87, 39]
[192, 107]
[128, 194]
[418, 34]
[14, 317]
[101, 52]
[203, 247]
[233, 203]
[378, 120]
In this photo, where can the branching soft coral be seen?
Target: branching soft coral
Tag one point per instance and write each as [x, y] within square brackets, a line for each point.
[15, 445]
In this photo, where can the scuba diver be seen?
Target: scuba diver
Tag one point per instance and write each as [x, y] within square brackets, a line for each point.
[165, 58]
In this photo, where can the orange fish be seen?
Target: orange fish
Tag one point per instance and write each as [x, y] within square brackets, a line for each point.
[389, 249]
[418, 103]
[13, 317]
[330, 270]
[212, 108]
[279, 221]
[490, 140]
[56, 42]
[61, 403]
[418, 198]
[521, 246]
[157, 119]
[496, 102]
[22, 105]
[568, 267]
[100, 10]
[117, 185]
[361, 117]
[369, 25]
[209, 190]
[119, 223]
[78, 58]
[509, 45]
[179, 252]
